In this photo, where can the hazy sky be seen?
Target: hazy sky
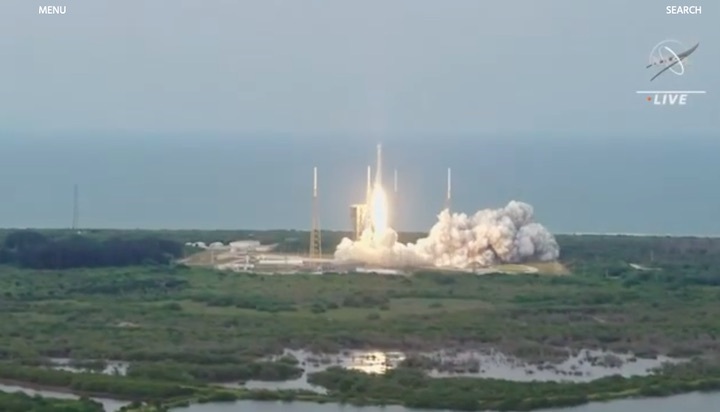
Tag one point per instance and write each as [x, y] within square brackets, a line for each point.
[212, 113]
[366, 68]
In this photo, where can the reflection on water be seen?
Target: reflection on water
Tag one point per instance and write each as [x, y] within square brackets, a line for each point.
[109, 405]
[111, 367]
[366, 361]
[372, 362]
[586, 365]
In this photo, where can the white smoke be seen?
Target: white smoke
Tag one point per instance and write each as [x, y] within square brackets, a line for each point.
[491, 236]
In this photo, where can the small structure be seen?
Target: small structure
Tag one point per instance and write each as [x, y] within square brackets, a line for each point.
[379, 271]
[237, 266]
[244, 245]
[217, 246]
[275, 260]
[199, 245]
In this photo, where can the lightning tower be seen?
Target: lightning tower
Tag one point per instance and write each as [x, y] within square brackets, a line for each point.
[395, 182]
[395, 203]
[76, 208]
[315, 241]
[365, 210]
[369, 185]
[449, 190]
[378, 167]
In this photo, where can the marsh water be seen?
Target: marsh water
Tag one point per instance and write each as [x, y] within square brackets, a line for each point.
[581, 366]
[110, 405]
[692, 402]
[111, 367]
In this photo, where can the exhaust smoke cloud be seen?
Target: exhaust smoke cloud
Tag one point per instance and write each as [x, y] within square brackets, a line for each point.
[490, 236]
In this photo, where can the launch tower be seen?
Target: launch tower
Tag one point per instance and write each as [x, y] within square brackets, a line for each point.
[76, 208]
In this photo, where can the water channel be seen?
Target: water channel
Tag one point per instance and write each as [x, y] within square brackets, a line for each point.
[583, 366]
[692, 402]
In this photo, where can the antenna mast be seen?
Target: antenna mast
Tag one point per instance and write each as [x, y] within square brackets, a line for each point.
[449, 190]
[76, 208]
[395, 182]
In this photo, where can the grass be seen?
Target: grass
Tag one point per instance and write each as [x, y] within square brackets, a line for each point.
[76, 313]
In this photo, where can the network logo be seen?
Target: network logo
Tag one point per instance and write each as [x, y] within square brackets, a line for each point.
[665, 56]
[670, 55]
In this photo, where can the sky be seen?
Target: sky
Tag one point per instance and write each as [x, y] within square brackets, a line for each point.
[363, 68]
[212, 113]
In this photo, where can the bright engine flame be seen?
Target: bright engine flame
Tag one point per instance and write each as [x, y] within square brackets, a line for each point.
[378, 210]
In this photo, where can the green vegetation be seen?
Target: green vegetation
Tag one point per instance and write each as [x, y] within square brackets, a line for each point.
[19, 402]
[31, 249]
[188, 373]
[98, 384]
[205, 317]
[182, 328]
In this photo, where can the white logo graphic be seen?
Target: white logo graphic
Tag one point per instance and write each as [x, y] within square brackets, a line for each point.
[663, 55]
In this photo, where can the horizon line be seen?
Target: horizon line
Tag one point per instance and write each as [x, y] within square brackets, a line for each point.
[574, 233]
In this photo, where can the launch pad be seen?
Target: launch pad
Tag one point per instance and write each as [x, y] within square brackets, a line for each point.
[501, 240]
[486, 239]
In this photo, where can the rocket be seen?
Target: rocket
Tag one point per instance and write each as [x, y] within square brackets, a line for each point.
[449, 185]
[315, 185]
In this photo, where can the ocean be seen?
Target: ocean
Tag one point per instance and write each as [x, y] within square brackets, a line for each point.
[654, 185]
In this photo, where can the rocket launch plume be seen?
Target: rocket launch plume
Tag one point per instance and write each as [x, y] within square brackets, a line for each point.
[490, 236]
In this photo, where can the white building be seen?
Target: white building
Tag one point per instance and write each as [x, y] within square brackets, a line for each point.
[244, 245]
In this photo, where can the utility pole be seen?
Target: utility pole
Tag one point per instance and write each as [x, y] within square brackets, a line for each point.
[76, 208]
[449, 190]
